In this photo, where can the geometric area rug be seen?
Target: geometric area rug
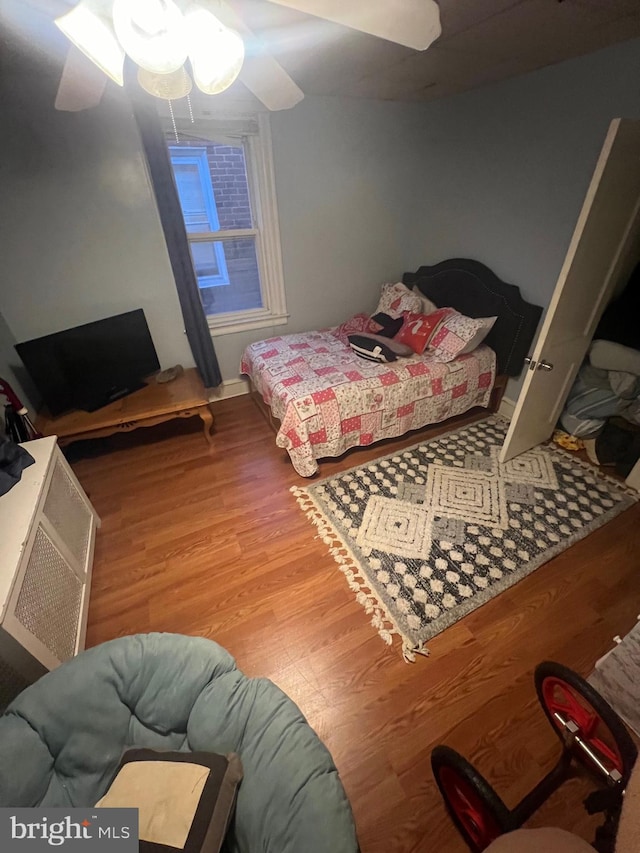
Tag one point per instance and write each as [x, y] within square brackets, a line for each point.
[428, 534]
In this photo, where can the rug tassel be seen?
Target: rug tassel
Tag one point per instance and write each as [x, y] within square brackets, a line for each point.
[359, 584]
[410, 651]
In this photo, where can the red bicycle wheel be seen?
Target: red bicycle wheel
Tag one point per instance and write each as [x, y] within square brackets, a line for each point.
[563, 693]
[477, 811]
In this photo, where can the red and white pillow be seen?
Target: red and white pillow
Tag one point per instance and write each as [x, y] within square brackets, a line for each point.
[418, 329]
[487, 324]
[358, 324]
[396, 299]
[379, 324]
[444, 333]
[458, 335]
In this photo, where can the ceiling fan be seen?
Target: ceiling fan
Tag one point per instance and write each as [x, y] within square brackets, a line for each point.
[145, 30]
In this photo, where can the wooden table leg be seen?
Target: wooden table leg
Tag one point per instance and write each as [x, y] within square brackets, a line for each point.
[207, 421]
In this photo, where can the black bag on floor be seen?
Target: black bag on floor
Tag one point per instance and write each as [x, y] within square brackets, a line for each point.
[13, 460]
[618, 445]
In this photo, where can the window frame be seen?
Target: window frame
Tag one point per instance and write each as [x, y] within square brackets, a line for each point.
[266, 225]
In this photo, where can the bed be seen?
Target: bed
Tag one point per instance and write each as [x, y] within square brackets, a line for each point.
[323, 399]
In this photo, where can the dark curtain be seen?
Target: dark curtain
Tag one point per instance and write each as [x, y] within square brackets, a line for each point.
[159, 165]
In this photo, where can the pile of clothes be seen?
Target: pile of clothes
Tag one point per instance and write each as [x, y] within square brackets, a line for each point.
[603, 407]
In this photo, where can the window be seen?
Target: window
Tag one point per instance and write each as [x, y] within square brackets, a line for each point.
[197, 199]
[224, 177]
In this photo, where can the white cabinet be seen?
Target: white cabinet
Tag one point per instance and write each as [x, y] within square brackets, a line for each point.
[47, 534]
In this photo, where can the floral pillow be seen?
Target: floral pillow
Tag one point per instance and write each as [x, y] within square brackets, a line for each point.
[457, 335]
[481, 334]
[396, 299]
[354, 325]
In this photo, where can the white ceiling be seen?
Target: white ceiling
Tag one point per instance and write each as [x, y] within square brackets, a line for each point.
[482, 41]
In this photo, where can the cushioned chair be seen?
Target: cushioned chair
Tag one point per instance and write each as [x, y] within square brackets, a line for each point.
[62, 738]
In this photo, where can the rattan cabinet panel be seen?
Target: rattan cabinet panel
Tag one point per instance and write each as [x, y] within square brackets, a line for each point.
[47, 534]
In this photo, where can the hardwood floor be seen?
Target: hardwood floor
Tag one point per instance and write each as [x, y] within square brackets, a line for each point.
[214, 545]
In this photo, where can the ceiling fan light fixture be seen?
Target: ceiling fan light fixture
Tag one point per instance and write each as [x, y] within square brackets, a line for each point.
[168, 87]
[89, 27]
[215, 51]
[152, 33]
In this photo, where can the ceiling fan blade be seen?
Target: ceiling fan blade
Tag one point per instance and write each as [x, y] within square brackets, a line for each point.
[413, 23]
[81, 85]
[270, 83]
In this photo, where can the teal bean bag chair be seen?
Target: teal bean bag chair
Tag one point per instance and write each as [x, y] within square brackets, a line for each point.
[61, 740]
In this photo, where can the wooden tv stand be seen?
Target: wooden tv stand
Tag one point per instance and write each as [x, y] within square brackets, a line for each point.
[183, 397]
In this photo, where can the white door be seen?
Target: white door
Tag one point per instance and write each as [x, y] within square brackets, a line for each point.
[585, 284]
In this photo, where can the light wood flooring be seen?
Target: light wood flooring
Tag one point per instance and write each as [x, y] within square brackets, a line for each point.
[214, 545]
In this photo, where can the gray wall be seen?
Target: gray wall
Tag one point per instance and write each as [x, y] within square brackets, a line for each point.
[506, 167]
[80, 230]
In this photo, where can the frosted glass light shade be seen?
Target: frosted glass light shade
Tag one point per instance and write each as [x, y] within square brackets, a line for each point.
[215, 51]
[88, 25]
[152, 33]
[169, 87]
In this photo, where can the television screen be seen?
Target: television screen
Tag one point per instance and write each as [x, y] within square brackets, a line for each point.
[90, 366]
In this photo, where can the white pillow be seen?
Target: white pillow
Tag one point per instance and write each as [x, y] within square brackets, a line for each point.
[608, 355]
[480, 335]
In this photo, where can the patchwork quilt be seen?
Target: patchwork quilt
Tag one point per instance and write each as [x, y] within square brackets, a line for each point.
[328, 400]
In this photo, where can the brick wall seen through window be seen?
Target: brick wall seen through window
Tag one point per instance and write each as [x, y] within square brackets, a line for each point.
[228, 176]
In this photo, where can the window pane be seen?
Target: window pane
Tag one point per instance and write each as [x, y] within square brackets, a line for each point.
[230, 186]
[205, 260]
[243, 291]
[192, 197]
[228, 173]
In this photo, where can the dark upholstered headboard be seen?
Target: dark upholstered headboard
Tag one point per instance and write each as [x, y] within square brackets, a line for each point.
[474, 290]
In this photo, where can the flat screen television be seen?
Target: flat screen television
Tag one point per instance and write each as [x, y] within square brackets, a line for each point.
[92, 365]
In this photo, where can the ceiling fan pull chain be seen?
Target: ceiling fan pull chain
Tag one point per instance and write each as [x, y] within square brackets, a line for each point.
[173, 122]
[190, 108]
